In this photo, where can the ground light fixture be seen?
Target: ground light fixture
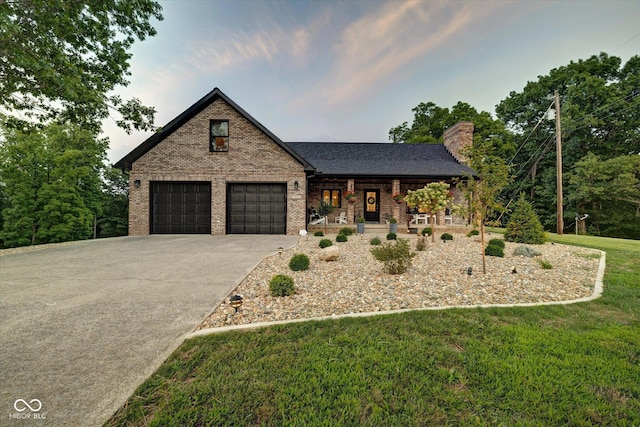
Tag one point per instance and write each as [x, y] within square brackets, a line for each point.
[280, 249]
[236, 302]
[469, 271]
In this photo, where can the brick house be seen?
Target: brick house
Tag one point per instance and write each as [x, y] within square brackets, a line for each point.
[214, 169]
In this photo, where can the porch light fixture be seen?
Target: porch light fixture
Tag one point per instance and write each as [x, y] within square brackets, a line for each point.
[235, 302]
[136, 183]
[296, 185]
[469, 271]
[280, 249]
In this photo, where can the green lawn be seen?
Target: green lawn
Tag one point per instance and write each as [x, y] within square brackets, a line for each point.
[540, 366]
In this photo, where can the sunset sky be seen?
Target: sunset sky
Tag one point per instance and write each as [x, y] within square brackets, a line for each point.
[351, 70]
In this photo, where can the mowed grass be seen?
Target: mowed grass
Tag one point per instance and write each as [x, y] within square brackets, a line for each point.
[535, 366]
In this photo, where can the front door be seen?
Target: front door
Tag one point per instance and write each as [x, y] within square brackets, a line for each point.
[372, 205]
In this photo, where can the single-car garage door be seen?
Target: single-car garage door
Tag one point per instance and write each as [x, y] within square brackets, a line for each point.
[181, 208]
[257, 209]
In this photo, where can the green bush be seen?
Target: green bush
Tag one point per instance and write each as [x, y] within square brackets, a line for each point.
[375, 241]
[524, 225]
[421, 244]
[299, 262]
[325, 243]
[396, 256]
[281, 286]
[392, 236]
[496, 242]
[318, 233]
[494, 250]
[446, 236]
[341, 238]
[473, 232]
[346, 231]
[545, 264]
[427, 231]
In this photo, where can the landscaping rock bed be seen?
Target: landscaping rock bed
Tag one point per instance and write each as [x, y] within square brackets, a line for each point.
[438, 277]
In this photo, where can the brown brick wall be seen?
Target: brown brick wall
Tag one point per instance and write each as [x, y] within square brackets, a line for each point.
[184, 156]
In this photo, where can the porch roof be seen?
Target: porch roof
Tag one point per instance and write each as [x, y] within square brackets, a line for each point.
[353, 159]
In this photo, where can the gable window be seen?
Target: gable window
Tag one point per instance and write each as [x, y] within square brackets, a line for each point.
[218, 135]
[331, 197]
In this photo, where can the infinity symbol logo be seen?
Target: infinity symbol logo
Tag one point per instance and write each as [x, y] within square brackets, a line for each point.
[37, 405]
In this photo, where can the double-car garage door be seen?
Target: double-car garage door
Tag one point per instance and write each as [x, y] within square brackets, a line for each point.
[185, 208]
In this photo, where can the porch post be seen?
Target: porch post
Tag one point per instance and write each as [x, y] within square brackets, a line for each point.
[350, 206]
[395, 188]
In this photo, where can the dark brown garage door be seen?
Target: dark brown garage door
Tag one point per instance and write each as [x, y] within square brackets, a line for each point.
[180, 208]
[257, 209]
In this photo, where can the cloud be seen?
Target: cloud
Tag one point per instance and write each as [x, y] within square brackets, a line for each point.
[383, 44]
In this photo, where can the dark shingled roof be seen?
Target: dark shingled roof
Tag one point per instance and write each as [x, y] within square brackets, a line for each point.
[380, 159]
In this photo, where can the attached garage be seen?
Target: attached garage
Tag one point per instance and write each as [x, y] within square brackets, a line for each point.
[256, 208]
[180, 207]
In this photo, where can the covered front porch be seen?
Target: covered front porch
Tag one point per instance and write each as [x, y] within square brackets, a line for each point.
[374, 199]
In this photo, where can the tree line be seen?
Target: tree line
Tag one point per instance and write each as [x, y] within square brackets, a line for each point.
[600, 122]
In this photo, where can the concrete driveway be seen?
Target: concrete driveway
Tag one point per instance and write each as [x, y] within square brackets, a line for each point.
[82, 325]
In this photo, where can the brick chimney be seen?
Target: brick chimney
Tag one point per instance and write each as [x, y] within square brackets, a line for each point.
[457, 137]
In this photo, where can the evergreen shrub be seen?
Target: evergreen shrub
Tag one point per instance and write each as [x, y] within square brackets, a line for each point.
[299, 262]
[281, 286]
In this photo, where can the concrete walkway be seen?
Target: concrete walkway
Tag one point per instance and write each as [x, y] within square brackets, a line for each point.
[82, 325]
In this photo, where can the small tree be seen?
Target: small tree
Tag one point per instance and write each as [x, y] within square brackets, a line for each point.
[432, 198]
[324, 210]
[481, 190]
[524, 225]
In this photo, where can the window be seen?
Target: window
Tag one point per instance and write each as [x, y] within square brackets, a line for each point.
[218, 135]
[332, 197]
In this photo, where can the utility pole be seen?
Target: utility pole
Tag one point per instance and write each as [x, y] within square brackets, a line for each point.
[559, 164]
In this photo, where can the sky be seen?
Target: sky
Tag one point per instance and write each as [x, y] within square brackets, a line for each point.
[349, 71]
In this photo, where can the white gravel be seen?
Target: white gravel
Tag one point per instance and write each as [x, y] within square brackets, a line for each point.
[438, 277]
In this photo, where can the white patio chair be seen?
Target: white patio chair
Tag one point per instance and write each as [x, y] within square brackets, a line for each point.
[342, 219]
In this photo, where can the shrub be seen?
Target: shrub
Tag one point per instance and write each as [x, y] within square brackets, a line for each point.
[299, 262]
[427, 231]
[318, 233]
[375, 241]
[446, 236]
[545, 264]
[325, 243]
[341, 238]
[392, 236]
[421, 244]
[346, 231]
[281, 286]
[393, 220]
[524, 225]
[494, 250]
[396, 256]
[496, 242]
[473, 232]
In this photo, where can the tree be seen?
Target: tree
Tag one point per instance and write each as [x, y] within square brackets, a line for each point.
[115, 204]
[609, 191]
[430, 122]
[432, 198]
[600, 114]
[60, 59]
[52, 183]
[482, 189]
[524, 225]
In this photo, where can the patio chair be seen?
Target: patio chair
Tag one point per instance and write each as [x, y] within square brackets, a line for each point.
[342, 219]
